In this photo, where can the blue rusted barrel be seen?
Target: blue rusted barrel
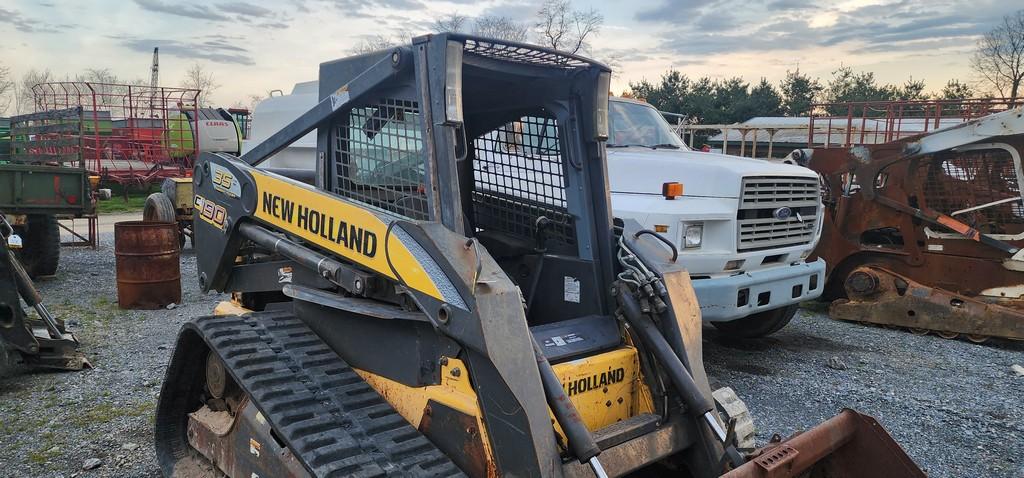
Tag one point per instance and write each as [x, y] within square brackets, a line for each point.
[148, 267]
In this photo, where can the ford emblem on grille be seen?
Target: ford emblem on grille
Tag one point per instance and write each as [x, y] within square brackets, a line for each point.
[782, 213]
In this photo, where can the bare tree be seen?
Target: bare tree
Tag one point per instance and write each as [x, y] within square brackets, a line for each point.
[502, 28]
[562, 27]
[250, 102]
[374, 43]
[999, 57]
[370, 44]
[452, 23]
[98, 75]
[198, 78]
[255, 100]
[490, 26]
[24, 97]
[105, 84]
[6, 89]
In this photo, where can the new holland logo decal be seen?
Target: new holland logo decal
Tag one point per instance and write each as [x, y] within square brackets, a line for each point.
[597, 380]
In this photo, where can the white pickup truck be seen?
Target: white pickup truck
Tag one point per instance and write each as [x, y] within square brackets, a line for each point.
[743, 226]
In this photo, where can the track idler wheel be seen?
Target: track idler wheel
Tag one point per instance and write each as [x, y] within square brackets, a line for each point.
[225, 395]
[862, 283]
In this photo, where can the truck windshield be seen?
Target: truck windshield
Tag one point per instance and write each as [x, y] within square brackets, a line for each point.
[635, 124]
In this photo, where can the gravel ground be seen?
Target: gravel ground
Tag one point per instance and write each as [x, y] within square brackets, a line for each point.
[956, 407]
[52, 423]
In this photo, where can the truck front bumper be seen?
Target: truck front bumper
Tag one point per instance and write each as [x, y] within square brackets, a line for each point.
[729, 298]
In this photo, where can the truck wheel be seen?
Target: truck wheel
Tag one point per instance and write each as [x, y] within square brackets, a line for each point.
[761, 324]
[41, 251]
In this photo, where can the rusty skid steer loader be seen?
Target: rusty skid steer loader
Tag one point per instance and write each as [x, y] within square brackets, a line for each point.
[926, 232]
[447, 294]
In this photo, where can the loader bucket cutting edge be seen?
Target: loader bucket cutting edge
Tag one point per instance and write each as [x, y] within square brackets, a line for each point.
[849, 444]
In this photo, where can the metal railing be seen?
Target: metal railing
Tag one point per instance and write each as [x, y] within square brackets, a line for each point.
[840, 124]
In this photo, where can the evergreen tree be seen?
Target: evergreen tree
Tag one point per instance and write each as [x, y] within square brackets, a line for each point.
[955, 90]
[765, 100]
[799, 92]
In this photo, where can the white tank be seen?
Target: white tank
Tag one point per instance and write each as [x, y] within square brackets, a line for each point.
[274, 113]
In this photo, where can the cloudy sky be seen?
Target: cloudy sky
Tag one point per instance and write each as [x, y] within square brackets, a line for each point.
[253, 46]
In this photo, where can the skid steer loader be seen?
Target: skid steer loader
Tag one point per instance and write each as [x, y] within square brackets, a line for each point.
[926, 232]
[447, 294]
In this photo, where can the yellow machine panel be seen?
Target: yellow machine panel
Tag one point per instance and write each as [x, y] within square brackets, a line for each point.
[182, 193]
[454, 391]
[338, 226]
[605, 388]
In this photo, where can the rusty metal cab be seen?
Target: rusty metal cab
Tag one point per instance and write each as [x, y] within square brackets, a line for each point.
[924, 227]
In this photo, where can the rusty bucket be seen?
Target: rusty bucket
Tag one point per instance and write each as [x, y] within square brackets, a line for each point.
[148, 269]
[849, 445]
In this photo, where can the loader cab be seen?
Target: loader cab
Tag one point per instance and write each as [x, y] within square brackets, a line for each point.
[501, 155]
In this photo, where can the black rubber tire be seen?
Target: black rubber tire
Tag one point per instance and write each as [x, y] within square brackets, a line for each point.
[41, 251]
[159, 208]
[761, 324]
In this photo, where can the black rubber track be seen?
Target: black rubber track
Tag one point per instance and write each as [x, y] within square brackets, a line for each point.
[330, 418]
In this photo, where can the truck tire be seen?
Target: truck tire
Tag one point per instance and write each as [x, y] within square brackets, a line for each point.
[761, 324]
[41, 251]
[159, 208]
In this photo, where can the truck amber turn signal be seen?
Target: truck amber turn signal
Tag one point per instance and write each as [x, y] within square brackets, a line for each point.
[671, 190]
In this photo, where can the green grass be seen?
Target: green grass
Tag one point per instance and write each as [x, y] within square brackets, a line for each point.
[101, 312]
[118, 204]
[105, 412]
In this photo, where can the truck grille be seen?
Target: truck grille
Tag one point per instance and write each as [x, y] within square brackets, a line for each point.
[760, 227]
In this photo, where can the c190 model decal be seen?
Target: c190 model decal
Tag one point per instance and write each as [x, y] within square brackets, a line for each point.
[597, 380]
[210, 211]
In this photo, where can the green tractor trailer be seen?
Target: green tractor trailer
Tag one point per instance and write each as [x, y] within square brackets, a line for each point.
[43, 177]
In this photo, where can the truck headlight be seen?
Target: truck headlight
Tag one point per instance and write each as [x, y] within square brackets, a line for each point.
[693, 236]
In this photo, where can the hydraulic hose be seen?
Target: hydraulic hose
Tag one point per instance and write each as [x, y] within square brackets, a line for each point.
[696, 402]
[581, 442]
[31, 296]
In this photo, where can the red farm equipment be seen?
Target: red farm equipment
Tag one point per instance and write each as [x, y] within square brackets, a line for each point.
[135, 134]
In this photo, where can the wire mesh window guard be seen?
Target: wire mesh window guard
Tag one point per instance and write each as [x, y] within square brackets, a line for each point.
[519, 177]
[982, 179]
[521, 54]
[379, 158]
